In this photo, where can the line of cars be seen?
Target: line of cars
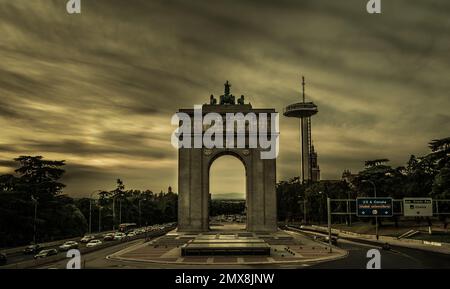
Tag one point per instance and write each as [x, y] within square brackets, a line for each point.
[89, 241]
[39, 252]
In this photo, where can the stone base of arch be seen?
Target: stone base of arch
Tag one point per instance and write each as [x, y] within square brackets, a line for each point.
[193, 187]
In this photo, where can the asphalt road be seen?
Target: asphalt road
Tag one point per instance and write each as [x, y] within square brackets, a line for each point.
[96, 259]
[396, 258]
[20, 257]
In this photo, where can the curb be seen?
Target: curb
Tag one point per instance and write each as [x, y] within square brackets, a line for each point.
[410, 243]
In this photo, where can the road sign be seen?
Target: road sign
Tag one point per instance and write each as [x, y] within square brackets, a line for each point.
[374, 207]
[413, 207]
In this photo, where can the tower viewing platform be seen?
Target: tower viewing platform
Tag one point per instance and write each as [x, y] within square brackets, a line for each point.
[300, 110]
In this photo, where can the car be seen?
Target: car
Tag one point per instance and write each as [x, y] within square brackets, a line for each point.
[46, 253]
[333, 240]
[32, 249]
[93, 243]
[386, 247]
[68, 245]
[3, 259]
[119, 236]
[131, 234]
[108, 237]
[87, 239]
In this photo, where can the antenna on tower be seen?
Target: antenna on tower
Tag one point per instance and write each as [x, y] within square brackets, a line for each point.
[303, 88]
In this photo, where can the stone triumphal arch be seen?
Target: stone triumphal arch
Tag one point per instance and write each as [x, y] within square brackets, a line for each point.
[194, 167]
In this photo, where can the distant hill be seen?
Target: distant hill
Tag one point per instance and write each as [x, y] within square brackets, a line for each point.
[228, 196]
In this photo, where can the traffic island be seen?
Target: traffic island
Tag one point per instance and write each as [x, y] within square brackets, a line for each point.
[230, 248]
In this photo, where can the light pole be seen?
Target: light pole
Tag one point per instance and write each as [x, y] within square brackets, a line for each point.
[304, 209]
[375, 194]
[349, 209]
[140, 211]
[329, 223]
[35, 201]
[99, 218]
[321, 206]
[114, 211]
[139, 208]
[90, 210]
[120, 211]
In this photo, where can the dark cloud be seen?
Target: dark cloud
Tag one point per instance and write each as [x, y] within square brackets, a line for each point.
[99, 89]
[127, 146]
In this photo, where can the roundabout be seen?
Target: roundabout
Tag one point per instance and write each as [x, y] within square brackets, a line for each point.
[282, 247]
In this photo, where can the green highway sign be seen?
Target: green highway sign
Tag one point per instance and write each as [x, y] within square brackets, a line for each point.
[374, 207]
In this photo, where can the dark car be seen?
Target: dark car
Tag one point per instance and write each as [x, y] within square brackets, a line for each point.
[46, 253]
[32, 249]
[334, 240]
[3, 259]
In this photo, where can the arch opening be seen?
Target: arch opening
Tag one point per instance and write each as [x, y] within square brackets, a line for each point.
[227, 206]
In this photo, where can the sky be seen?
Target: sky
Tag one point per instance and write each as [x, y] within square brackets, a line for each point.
[98, 89]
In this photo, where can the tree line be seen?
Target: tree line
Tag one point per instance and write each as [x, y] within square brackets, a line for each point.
[33, 207]
[424, 176]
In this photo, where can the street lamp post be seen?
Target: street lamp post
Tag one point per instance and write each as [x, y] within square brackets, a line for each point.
[35, 201]
[90, 210]
[99, 218]
[139, 207]
[140, 210]
[375, 194]
[349, 209]
[114, 212]
[329, 223]
[120, 211]
[321, 194]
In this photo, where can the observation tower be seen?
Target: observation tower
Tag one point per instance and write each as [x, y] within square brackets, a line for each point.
[304, 111]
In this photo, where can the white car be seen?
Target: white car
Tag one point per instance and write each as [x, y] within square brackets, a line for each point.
[87, 239]
[93, 243]
[131, 234]
[68, 245]
[119, 236]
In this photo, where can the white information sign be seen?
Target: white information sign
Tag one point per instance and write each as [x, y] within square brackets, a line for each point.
[413, 207]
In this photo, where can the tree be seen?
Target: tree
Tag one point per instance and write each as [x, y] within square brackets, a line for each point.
[420, 174]
[441, 190]
[374, 163]
[39, 177]
[57, 216]
[290, 196]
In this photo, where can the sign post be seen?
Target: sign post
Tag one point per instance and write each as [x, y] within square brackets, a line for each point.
[414, 207]
[418, 207]
[374, 207]
[329, 223]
